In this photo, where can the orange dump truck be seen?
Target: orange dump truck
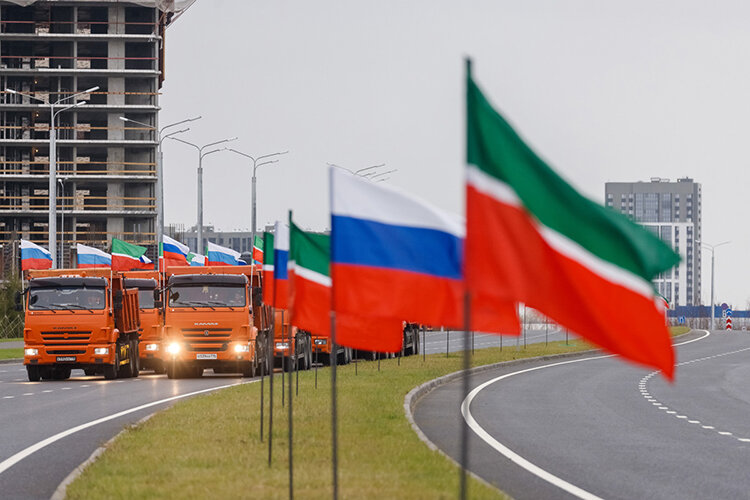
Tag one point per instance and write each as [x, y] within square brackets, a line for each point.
[79, 318]
[322, 351]
[150, 350]
[214, 319]
[290, 344]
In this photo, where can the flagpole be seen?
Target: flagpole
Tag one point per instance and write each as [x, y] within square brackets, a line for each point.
[269, 361]
[291, 434]
[334, 415]
[466, 388]
[283, 368]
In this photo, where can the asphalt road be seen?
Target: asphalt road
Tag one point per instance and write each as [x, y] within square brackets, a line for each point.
[609, 428]
[453, 341]
[35, 411]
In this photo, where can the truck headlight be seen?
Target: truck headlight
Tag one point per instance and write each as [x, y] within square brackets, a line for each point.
[31, 352]
[282, 345]
[321, 341]
[241, 348]
[101, 351]
[173, 348]
[152, 347]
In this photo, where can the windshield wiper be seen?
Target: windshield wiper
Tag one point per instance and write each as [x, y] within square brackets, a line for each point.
[221, 304]
[45, 308]
[75, 306]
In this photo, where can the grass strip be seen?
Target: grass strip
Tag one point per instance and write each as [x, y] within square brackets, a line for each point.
[14, 353]
[208, 446]
[11, 340]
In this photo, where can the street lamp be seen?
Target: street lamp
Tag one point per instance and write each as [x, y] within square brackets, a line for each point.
[712, 247]
[62, 220]
[256, 164]
[201, 154]
[160, 174]
[52, 187]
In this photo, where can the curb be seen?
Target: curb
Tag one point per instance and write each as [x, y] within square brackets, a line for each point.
[413, 397]
[10, 361]
[62, 488]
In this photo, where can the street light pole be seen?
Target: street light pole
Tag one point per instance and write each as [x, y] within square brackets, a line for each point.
[256, 165]
[201, 154]
[52, 186]
[713, 309]
[62, 220]
[160, 175]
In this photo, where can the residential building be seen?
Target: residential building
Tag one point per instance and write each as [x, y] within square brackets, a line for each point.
[672, 210]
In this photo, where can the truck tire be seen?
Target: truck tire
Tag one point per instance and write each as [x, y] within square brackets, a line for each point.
[111, 371]
[197, 372]
[34, 373]
[134, 358]
[89, 371]
[174, 371]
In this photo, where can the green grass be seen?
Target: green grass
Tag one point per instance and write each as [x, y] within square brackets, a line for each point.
[16, 353]
[208, 446]
[11, 340]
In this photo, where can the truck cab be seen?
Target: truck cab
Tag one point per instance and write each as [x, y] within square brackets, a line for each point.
[150, 350]
[79, 319]
[210, 322]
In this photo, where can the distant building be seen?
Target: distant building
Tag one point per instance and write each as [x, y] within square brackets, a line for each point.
[241, 241]
[672, 210]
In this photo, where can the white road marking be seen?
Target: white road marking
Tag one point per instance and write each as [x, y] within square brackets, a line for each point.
[65, 389]
[28, 393]
[8, 397]
[86, 385]
[510, 454]
[646, 396]
[13, 460]
[744, 440]
[48, 390]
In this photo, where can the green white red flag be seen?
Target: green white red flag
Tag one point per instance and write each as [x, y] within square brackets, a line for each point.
[532, 238]
[126, 256]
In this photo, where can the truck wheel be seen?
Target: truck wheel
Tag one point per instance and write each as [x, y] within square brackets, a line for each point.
[134, 359]
[197, 372]
[33, 372]
[89, 371]
[46, 372]
[111, 371]
[174, 370]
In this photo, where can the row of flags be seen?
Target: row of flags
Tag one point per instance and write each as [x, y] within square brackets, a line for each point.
[528, 237]
[127, 256]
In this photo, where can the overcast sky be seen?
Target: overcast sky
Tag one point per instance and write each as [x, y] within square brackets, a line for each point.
[604, 91]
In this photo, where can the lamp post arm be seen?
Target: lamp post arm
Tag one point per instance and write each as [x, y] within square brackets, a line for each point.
[186, 142]
[92, 89]
[165, 127]
[173, 133]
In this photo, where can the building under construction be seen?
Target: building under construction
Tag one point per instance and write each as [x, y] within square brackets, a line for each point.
[106, 167]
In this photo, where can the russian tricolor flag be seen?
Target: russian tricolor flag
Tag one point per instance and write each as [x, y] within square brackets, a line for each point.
[89, 257]
[222, 256]
[34, 257]
[393, 255]
[281, 261]
[174, 252]
[268, 268]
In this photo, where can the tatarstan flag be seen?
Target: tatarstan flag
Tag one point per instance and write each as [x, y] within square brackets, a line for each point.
[310, 298]
[532, 238]
[258, 250]
[126, 256]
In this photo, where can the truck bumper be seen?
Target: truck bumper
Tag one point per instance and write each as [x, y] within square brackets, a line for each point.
[75, 357]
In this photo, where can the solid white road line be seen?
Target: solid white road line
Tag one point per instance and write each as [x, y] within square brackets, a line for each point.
[510, 454]
[13, 460]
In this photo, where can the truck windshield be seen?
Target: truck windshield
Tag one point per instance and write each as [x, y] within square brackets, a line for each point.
[213, 295]
[66, 297]
[146, 298]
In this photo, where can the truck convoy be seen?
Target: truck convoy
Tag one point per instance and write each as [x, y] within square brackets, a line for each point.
[79, 318]
[150, 352]
[211, 320]
[291, 345]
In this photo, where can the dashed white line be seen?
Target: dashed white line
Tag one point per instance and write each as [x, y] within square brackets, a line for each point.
[8, 397]
[643, 382]
[28, 393]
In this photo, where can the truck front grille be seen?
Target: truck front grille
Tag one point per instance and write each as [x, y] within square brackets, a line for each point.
[66, 338]
[66, 351]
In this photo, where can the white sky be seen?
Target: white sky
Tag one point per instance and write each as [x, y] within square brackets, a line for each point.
[605, 91]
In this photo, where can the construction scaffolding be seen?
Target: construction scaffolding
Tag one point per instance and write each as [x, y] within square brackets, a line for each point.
[106, 170]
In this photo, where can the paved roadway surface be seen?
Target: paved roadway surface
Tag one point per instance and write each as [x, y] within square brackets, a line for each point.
[437, 342]
[609, 428]
[14, 344]
[34, 411]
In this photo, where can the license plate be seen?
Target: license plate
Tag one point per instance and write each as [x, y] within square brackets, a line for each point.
[66, 359]
[205, 356]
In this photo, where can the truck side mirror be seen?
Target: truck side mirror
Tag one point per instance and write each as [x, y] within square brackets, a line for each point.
[19, 302]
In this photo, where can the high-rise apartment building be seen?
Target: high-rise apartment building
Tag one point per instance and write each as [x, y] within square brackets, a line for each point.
[672, 210]
[106, 167]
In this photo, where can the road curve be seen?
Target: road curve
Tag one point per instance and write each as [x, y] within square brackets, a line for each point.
[608, 428]
[35, 411]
